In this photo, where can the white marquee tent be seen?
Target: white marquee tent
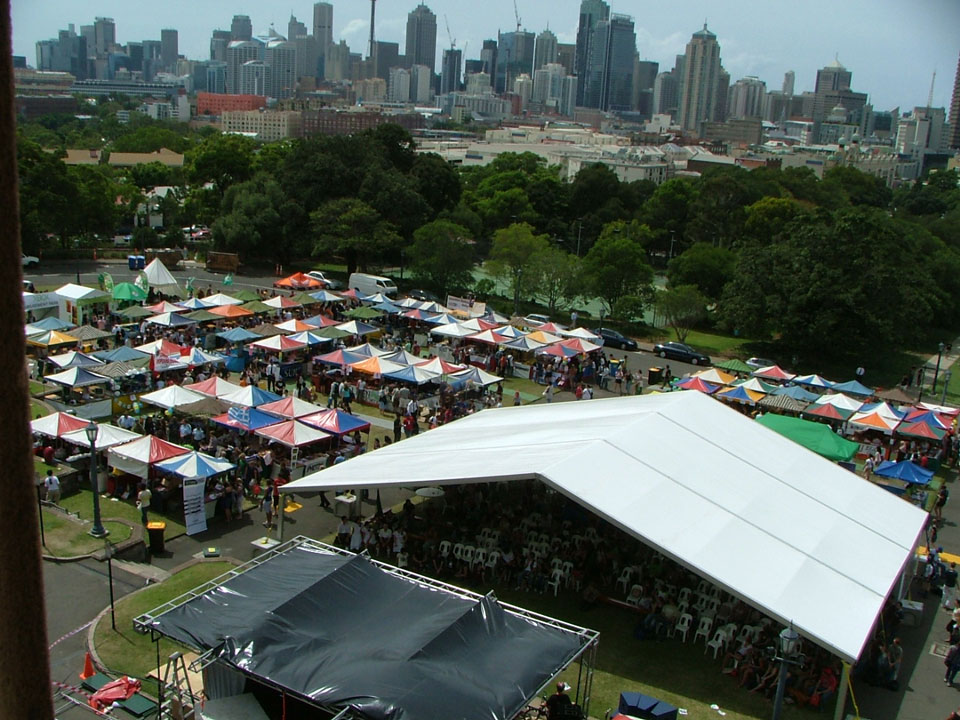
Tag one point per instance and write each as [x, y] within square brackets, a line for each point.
[160, 278]
[789, 532]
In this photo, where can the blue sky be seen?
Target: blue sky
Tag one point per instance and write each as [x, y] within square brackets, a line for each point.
[891, 46]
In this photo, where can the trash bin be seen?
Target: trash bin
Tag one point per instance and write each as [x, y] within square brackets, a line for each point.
[155, 534]
[141, 262]
[654, 376]
[131, 262]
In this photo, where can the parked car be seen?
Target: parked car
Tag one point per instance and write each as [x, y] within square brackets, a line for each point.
[29, 260]
[759, 362]
[328, 283]
[367, 284]
[612, 338]
[423, 295]
[536, 320]
[681, 352]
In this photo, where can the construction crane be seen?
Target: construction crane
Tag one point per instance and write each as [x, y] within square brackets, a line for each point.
[930, 96]
[453, 41]
[516, 14]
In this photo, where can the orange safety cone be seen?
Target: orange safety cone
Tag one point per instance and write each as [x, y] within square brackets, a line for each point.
[88, 669]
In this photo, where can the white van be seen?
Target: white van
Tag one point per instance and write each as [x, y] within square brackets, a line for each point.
[371, 284]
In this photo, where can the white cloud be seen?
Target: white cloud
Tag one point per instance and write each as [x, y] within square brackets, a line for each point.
[355, 30]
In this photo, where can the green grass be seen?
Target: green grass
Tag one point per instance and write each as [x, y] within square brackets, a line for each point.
[82, 504]
[67, 538]
[36, 388]
[710, 343]
[38, 409]
[124, 649]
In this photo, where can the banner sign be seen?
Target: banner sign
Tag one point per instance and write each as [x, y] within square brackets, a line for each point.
[194, 514]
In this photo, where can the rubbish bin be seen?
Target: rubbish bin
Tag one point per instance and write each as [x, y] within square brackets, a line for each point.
[141, 262]
[155, 533]
[654, 376]
[131, 262]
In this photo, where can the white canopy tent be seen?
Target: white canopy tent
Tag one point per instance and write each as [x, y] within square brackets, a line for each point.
[775, 524]
[160, 278]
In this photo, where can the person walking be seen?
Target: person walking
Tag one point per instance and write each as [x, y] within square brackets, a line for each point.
[52, 484]
[266, 504]
[952, 661]
[143, 501]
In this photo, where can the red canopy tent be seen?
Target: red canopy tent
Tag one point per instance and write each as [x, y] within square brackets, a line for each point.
[57, 424]
[336, 421]
[829, 412]
[292, 433]
[299, 281]
[695, 383]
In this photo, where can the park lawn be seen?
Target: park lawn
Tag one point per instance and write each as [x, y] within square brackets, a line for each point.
[36, 387]
[81, 503]
[128, 651]
[67, 538]
[710, 343]
[38, 409]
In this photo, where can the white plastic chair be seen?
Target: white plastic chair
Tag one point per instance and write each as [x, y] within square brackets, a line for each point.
[635, 595]
[445, 546]
[401, 560]
[556, 563]
[719, 640]
[702, 587]
[458, 551]
[556, 577]
[479, 558]
[703, 629]
[493, 557]
[467, 554]
[625, 576]
[567, 568]
[683, 625]
[684, 596]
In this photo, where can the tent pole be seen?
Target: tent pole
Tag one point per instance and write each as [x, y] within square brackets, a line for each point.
[842, 691]
[281, 513]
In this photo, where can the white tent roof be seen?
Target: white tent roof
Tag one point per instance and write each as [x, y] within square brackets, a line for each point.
[172, 396]
[72, 291]
[793, 534]
[107, 436]
[158, 276]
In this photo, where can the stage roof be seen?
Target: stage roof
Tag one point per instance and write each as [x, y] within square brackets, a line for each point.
[386, 643]
[789, 532]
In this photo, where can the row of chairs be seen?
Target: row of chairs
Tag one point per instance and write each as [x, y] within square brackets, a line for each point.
[718, 639]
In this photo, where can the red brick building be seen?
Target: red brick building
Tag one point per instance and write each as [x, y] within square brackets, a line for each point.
[347, 122]
[216, 103]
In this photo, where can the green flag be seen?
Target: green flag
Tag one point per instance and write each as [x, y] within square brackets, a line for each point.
[142, 282]
[228, 280]
[107, 282]
[189, 284]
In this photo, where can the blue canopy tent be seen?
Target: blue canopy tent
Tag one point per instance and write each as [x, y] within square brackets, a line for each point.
[797, 393]
[853, 387]
[121, 354]
[237, 335]
[905, 470]
[195, 465]
[246, 418]
[53, 323]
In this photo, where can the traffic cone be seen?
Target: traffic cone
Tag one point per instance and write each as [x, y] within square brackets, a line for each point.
[88, 669]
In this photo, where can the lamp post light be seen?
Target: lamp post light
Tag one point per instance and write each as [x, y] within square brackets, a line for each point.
[97, 531]
[787, 651]
[936, 370]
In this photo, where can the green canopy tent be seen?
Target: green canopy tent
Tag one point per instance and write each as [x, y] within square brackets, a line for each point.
[814, 436]
[734, 365]
[245, 295]
[128, 291]
[136, 311]
[364, 312]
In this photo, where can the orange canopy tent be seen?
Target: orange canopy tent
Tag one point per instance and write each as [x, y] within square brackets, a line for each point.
[299, 281]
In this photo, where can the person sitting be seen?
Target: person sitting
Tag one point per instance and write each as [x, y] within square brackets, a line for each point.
[559, 704]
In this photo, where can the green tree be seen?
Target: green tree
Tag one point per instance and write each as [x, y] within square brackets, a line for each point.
[668, 211]
[442, 256]
[150, 138]
[351, 229]
[222, 160]
[558, 277]
[616, 265]
[150, 175]
[515, 250]
[251, 221]
[681, 307]
[704, 266]
[858, 187]
[437, 181]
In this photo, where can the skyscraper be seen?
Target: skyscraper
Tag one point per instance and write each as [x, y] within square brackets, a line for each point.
[789, 77]
[701, 71]
[105, 33]
[450, 71]
[746, 98]
[644, 77]
[281, 57]
[609, 78]
[488, 56]
[591, 12]
[421, 48]
[169, 49]
[238, 53]
[666, 96]
[295, 28]
[545, 50]
[955, 111]
[514, 58]
[388, 56]
[218, 45]
[241, 28]
[323, 26]
[421, 80]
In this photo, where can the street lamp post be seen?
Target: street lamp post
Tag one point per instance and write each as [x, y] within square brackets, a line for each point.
[108, 549]
[516, 292]
[788, 647]
[97, 531]
[579, 234]
[672, 240]
[936, 370]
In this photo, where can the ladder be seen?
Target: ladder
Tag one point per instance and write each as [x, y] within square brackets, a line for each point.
[177, 700]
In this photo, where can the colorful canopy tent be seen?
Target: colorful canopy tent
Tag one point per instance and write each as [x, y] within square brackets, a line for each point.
[292, 433]
[52, 323]
[853, 387]
[443, 319]
[377, 298]
[735, 366]
[782, 402]
[773, 372]
[336, 422]
[81, 294]
[57, 424]
[304, 298]
[231, 312]
[278, 343]
[583, 334]
[74, 359]
[86, 333]
[281, 303]
[797, 393]
[214, 387]
[363, 313]
[895, 395]
[885, 409]
[340, 358]
[208, 407]
[523, 344]
[161, 347]
[293, 326]
[874, 420]
[432, 306]
[740, 395]
[402, 357]
[202, 316]
[128, 291]
[237, 335]
[828, 412]
[122, 354]
[308, 338]
[376, 366]
[409, 302]
[512, 333]
[125, 368]
[390, 309]
[163, 307]
[697, 383]
[325, 296]
[717, 377]
[368, 350]
[135, 311]
[907, 471]
[544, 337]
[256, 307]
[290, 407]
[171, 396]
[415, 314]
[943, 409]
[473, 375]
[160, 278]
[171, 319]
[136, 457]
[839, 400]
[753, 499]
[321, 321]
[355, 327]
[107, 436]
[811, 435]
[479, 325]
[246, 419]
[249, 396]
[757, 385]
[413, 374]
[195, 465]
[52, 338]
[193, 304]
[440, 366]
[920, 430]
[813, 381]
[76, 377]
[930, 417]
[490, 337]
[333, 332]
[454, 329]
[196, 357]
[581, 346]
[244, 295]
[219, 299]
[299, 281]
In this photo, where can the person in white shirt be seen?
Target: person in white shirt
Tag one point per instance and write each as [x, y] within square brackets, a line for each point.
[52, 484]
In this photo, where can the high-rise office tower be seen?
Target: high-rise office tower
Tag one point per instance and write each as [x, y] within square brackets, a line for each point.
[450, 71]
[488, 55]
[238, 53]
[666, 94]
[105, 34]
[254, 78]
[701, 72]
[421, 48]
[644, 77]
[89, 34]
[388, 56]
[545, 50]
[323, 26]
[789, 77]
[567, 56]
[955, 111]
[135, 53]
[746, 98]
[609, 78]
[217, 77]
[281, 57]
[169, 49]
[547, 84]
[421, 80]
[398, 88]
[295, 28]
[514, 58]
[591, 12]
[218, 45]
[723, 89]
[241, 28]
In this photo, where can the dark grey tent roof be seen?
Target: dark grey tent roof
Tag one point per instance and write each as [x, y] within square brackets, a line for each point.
[342, 632]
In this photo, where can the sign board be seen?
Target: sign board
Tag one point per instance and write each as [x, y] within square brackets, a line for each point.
[40, 301]
[194, 512]
[466, 306]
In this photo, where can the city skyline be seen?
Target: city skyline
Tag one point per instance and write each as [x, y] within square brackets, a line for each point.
[749, 34]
